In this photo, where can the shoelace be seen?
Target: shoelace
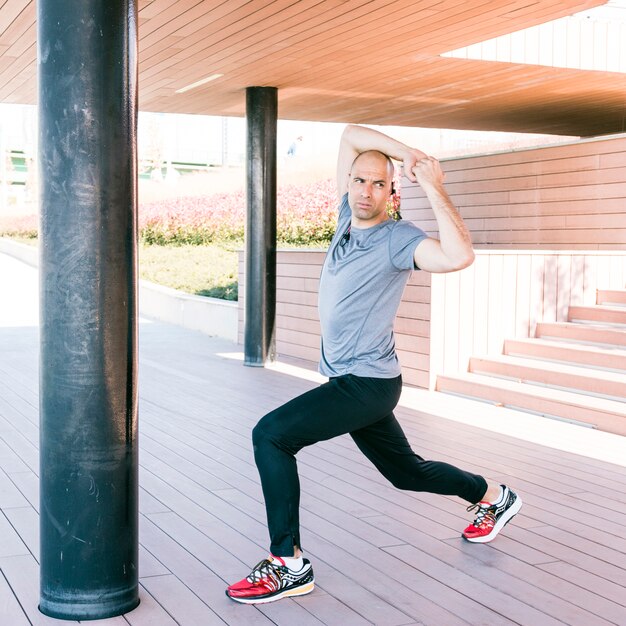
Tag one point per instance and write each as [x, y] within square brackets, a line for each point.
[484, 515]
[266, 569]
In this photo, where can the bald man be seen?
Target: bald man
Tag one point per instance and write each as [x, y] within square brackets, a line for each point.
[365, 271]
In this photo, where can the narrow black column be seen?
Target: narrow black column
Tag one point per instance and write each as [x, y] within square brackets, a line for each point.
[260, 292]
[87, 61]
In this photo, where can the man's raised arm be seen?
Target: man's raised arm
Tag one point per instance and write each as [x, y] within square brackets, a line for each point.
[357, 139]
[453, 250]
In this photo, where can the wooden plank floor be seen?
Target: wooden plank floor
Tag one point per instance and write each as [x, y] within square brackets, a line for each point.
[381, 556]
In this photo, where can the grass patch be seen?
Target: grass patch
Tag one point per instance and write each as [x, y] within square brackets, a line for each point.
[29, 241]
[200, 270]
[210, 270]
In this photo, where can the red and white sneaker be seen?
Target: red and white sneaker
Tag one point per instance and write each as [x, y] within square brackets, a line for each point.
[491, 518]
[272, 580]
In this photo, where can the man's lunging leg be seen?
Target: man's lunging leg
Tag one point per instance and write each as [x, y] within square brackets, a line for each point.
[274, 455]
[343, 404]
[385, 445]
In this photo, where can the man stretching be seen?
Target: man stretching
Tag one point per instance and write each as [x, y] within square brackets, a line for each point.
[363, 277]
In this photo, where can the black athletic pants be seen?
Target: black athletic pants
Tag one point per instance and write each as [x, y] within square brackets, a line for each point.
[351, 404]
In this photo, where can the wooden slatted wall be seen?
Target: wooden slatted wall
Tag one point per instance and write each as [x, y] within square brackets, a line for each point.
[571, 196]
[297, 321]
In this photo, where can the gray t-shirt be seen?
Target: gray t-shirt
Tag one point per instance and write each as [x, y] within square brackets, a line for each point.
[361, 286]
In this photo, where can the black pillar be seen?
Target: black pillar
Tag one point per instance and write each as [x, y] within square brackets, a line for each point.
[87, 61]
[260, 293]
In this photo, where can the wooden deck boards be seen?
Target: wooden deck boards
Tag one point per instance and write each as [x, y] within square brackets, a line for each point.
[381, 556]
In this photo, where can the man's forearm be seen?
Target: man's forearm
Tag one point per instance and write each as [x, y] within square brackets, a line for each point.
[454, 236]
[362, 139]
[453, 250]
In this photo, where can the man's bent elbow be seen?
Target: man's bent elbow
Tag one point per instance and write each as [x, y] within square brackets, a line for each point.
[461, 262]
[349, 131]
[469, 259]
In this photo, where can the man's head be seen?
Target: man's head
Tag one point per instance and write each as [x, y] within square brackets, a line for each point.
[370, 185]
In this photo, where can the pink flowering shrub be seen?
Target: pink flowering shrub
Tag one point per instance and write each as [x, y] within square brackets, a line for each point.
[305, 214]
[393, 204]
[193, 220]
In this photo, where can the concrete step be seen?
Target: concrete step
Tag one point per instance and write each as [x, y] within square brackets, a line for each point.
[611, 385]
[583, 333]
[592, 356]
[608, 415]
[615, 297]
[603, 314]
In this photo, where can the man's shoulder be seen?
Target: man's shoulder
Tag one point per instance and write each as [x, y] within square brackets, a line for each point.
[405, 233]
[406, 227]
[344, 207]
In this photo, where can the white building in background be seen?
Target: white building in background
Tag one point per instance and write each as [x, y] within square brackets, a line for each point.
[190, 142]
[18, 149]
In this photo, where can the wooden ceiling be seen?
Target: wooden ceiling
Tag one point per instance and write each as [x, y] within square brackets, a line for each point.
[363, 61]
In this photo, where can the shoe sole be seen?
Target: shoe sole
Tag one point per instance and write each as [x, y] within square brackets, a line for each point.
[502, 522]
[288, 593]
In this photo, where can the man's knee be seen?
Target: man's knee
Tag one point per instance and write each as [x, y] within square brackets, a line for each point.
[259, 434]
[266, 431]
[269, 434]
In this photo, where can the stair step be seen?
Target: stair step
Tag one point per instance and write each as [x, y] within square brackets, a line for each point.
[598, 313]
[575, 354]
[611, 296]
[587, 333]
[607, 415]
[557, 375]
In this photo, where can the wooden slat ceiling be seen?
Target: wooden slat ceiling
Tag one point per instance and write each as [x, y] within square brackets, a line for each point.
[367, 61]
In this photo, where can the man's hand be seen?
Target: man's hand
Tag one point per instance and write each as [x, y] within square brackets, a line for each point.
[409, 162]
[427, 172]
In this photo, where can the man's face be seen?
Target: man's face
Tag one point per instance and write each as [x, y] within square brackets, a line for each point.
[369, 189]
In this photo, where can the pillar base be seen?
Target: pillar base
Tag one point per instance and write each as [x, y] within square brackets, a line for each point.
[253, 363]
[99, 606]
